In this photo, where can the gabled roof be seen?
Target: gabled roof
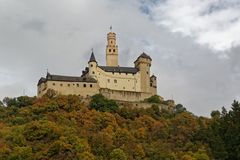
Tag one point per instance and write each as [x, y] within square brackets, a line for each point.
[119, 69]
[50, 77]
[92, 58]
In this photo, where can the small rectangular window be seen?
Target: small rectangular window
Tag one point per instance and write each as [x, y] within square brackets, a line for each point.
[108, 80]
[53, 84]
[115, 81]
[61, 84]
[68, 85]
[77, 85]
[84, 85]
[91, 85]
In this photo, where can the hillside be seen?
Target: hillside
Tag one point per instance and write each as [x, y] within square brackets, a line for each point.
[66, 127]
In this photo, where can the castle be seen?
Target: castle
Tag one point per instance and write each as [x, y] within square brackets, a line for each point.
[112, 81]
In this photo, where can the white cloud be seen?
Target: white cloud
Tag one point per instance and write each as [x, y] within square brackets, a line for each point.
[215, 23]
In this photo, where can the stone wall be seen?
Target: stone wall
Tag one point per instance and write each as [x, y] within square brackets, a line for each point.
[124, 95]
[83, 89]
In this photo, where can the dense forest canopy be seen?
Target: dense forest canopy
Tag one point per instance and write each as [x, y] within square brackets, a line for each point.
[65, 127]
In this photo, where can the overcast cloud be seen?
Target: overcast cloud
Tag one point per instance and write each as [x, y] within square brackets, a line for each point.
[195, 44]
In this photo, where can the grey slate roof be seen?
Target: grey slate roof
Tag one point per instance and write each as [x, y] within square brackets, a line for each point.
[119, 69]
[51, 77]
[92, 58]
[144, 55]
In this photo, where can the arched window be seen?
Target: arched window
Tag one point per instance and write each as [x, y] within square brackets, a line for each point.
[84, 85]
[109, 50]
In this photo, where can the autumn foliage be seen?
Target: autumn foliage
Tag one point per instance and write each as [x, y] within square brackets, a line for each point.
[68, 128]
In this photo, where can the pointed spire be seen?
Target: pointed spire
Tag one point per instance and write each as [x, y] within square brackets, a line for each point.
[92, 58]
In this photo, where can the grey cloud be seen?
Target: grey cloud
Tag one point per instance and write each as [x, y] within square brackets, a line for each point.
[66, 32]
[34, 25]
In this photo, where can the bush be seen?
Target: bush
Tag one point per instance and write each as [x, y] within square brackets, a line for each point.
[153, 99]
[100, 103]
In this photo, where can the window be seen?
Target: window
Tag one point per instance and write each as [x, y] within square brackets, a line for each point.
[91, 65]
[77, 85]
[68, 85]
[109, 50]
[113, 50]
[111, 41]
[93, 72]
[108, 80]
[53, 84]
[123, 87]
[151, 84]
[147, 72]
[84, 85]
[91, 85]
[61, 84]
[115, 81]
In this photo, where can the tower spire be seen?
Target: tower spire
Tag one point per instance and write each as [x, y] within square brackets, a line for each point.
[92, 57]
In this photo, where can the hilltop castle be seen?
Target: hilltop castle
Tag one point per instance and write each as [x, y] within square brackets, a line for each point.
[112, 81]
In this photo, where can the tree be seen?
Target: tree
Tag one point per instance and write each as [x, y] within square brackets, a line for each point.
[100, 103]
[153, 99]
[179, 108]
[1, 104]
[19, 102]
[118, 154]
[215, 114]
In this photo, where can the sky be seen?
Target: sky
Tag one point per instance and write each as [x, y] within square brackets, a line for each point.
[194, 44]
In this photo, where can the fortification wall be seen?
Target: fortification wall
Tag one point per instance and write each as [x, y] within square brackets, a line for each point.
[124, 95]
[83, 89]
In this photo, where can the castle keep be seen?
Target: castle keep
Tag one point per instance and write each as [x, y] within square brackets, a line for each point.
[113, 81]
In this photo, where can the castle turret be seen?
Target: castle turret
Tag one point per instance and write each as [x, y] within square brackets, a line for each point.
[153, 84]
[111, 50]
[92, 65]
[143, 63]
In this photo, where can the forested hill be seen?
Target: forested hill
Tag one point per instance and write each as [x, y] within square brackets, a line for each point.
[65, 128]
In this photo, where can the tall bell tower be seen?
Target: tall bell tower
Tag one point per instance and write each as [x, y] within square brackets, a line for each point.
[111, 50]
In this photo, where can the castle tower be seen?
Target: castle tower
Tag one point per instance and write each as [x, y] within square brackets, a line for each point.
[111, 50]
[143, 63]
[92, 65]
[153, 84]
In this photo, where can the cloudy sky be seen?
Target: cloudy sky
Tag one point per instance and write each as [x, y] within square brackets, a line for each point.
[194, 44]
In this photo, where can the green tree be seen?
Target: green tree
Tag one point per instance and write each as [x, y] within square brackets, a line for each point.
[153, 99]
[118, 154]
[179, 108]
[100, 103]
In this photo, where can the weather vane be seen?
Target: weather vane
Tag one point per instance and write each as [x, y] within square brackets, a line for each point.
[111, 28]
